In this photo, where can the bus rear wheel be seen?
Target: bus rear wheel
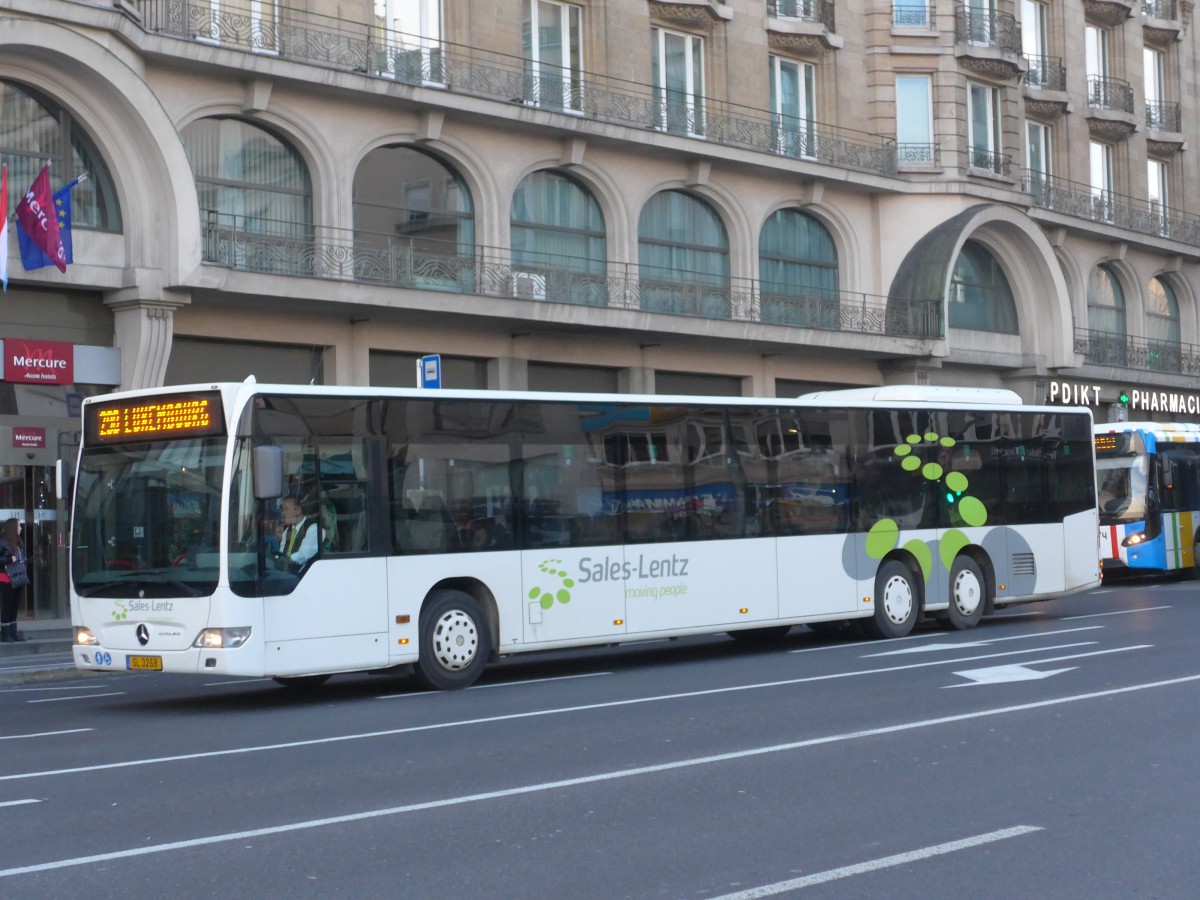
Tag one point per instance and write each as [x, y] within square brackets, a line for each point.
[897, 601]
[968, 594]
[455, 641]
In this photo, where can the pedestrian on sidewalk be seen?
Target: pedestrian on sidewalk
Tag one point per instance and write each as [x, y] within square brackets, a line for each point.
[12, 550]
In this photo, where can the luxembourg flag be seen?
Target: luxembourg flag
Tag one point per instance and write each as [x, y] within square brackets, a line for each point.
[4, 226]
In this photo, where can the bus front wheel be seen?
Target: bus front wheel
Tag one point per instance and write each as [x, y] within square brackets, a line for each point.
[455, 641]
[897, 601]
[968, 594]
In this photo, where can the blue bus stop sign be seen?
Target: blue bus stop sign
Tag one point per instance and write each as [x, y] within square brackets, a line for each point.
[429, 371]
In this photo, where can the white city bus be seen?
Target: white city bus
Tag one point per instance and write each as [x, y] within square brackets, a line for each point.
[455, 527]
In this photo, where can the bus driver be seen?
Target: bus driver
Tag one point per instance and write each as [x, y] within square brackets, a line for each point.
[298, 541]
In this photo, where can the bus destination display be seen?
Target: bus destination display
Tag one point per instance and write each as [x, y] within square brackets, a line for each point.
[192, 415]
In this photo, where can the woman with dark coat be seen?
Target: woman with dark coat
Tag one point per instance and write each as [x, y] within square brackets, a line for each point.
[11, 550]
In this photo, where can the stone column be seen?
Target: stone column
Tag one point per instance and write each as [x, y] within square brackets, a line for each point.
[142, 331]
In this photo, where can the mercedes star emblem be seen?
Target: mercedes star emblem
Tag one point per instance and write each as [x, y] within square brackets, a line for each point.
[143, 634]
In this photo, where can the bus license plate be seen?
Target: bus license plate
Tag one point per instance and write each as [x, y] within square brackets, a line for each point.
[149, 663]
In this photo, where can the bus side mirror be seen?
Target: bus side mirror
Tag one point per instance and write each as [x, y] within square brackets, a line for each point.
[1167, 473]
[268, 472]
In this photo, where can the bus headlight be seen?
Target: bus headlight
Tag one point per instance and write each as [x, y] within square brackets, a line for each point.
[222, 638]
[1134, 539]
[85, 638]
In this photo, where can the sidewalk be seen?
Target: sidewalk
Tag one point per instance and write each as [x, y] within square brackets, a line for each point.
[44, 655]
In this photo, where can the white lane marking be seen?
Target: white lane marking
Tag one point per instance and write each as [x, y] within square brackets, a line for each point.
[582, 780]
[538, 713]
[18, 737]
[18, 802]
[870, 643]
[76, 697]
[983, 642]
[69, 687]
[1120, 612]
[887, 862]
[236, 681]
[1005, 674]
[482, 687]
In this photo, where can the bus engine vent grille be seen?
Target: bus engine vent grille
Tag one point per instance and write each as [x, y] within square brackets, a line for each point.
[1024, 564]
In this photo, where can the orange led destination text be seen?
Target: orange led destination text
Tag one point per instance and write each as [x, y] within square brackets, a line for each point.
[152, 418]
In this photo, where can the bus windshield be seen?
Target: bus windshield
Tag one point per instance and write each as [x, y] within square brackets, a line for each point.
[1123, 487]
[147, 519]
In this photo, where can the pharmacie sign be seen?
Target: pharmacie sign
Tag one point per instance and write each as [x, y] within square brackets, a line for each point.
[39, 362]
[1178, 402]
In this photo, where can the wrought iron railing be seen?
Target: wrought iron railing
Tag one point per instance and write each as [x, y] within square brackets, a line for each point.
[1077, 199]
[283, 248]
[1124, 352]
[818, 11]
[988, 161]
[912, 14]
[916, 154]
[1046, 73]
[987, 28]
[1161, 9]
[458, 69]
[1163, 115]
[1109, 93]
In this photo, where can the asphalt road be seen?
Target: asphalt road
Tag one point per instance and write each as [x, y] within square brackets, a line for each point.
[1049, 753]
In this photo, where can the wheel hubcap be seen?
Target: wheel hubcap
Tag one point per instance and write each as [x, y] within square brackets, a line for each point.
[455, 640]
[966, 592]
[897, 599]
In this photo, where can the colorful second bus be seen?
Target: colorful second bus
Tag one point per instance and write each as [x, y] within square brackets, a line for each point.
[1148, 492]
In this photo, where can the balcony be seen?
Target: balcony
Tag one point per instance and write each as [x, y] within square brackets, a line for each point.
[807, 26]
[913, 15]
[375, 52]
[1110, 108]
[388, 260]
[1073, 198]
[1161, 22]
[986, 161]
[988, 42]
[1124, 352]
[1163, 115]
[1045, 73]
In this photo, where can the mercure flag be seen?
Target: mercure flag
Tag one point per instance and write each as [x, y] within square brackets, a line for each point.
[32, 256]
[35, 213]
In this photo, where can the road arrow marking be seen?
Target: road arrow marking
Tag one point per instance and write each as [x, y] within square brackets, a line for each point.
[1001, 674]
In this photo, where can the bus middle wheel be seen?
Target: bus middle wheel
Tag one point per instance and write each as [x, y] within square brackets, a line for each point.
[455, 641]
[897, 601]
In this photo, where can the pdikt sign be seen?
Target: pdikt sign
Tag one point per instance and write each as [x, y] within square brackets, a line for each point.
[39, 362]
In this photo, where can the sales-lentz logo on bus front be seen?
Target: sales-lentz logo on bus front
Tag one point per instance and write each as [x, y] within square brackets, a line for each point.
[39, 362]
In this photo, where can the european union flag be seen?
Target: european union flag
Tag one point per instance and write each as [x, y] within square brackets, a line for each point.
[32, 256]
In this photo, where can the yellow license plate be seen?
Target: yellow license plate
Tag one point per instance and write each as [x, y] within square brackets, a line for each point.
[151, 663]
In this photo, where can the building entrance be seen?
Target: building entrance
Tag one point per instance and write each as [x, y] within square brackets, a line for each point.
[27, 493]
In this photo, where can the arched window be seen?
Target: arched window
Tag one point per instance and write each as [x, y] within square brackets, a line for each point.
[250, 178]
[1162, 312]
[34, 129]
[1106, 303]
[683, 256]
[1162, 327]
[414, 222]
[980, 297]
[798, 271]
[559, 250]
